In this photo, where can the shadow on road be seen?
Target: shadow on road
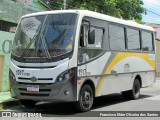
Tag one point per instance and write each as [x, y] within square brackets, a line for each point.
[67, 109]
[112, 99]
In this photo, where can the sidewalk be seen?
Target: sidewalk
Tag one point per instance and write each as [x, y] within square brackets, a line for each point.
[6, 101]
[4, 96]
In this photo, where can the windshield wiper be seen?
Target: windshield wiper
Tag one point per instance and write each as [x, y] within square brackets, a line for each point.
[45, 46]
[42, 38]
[25, 50]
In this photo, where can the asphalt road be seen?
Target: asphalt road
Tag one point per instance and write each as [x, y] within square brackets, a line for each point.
[149, 101]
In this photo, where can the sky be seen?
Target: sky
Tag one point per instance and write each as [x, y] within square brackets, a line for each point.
[153, 11]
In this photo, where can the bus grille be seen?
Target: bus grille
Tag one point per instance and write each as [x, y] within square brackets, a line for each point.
[34, 94]
[24, 83]
[44, 89]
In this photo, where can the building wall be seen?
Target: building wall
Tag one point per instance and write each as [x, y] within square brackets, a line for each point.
[5, 44]
[25, 2]
[11, 11]
[158, 51]
[37, 4]
[157, 37]
[158, 58]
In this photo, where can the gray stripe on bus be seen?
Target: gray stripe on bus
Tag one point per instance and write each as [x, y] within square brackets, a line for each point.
[107, 64]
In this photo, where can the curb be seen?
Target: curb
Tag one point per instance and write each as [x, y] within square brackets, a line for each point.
[8, 104]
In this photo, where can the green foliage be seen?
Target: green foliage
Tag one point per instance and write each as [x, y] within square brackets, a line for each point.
[131, 9]
[126, 9]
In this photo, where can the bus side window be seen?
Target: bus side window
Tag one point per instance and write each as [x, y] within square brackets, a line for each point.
[91, 37]
[95, 37]
[93, 46]
[147, 41]
[83, 57]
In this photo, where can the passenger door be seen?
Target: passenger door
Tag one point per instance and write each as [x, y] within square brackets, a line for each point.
[92, 46]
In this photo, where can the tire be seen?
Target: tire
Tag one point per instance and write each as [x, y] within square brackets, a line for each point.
[134, 93]
[86, 98]
[27, 103]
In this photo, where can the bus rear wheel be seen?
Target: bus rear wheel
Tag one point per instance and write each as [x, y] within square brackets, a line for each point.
[134, 93]
[27, 103]
[86, 98]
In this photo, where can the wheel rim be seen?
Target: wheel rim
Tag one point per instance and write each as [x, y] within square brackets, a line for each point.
[87, 100]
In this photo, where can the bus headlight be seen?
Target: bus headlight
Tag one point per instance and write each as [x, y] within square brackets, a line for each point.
[65, 76]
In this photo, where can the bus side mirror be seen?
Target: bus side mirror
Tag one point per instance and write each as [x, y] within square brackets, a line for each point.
[92, 38]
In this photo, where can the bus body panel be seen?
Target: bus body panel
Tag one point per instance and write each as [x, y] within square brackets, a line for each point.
[38, 73]
[49, 88]
[115, 72]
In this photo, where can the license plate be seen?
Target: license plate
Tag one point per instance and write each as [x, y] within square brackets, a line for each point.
[33, 88]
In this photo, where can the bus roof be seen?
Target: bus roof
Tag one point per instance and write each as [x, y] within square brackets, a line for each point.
[95, 15]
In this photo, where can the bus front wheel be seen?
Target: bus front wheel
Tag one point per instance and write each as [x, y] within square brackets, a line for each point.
[134, 93]
[86, 98]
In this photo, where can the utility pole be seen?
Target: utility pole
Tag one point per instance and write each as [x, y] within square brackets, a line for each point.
[95, 10]
[64, 3]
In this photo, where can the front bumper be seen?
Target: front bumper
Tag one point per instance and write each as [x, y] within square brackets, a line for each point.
[64, 91]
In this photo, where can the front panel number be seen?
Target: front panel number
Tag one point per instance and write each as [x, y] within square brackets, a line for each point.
[21, 72]
[82, 72]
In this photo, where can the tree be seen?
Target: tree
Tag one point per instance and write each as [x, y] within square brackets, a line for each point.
[131, 9]
[126, 9]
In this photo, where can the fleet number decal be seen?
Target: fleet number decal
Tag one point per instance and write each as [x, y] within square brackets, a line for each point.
[82, 72]
[21, 72]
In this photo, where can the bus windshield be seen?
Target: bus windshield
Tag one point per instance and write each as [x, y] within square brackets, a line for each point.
[45, 36]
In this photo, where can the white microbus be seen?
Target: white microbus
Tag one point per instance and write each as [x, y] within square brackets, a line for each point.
[77, 55]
